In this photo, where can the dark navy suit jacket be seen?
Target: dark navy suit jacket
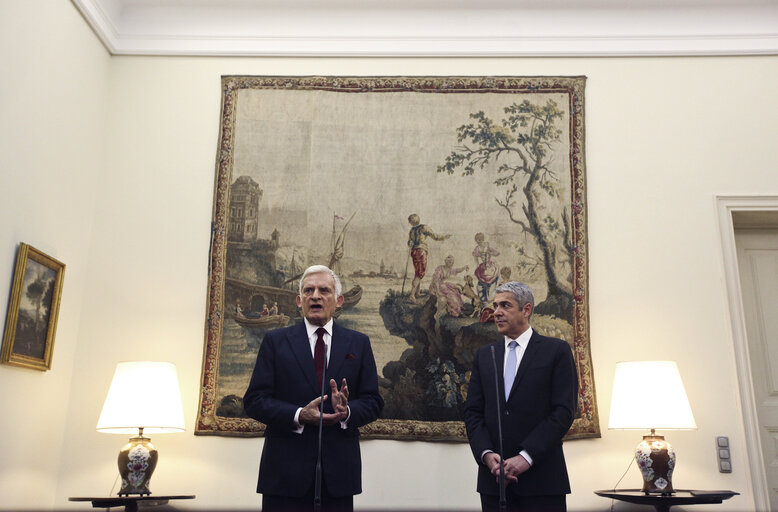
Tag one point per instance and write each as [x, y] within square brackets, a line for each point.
[539, 412]
[284, 379]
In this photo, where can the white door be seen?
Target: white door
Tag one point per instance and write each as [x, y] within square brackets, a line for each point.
[757, 251]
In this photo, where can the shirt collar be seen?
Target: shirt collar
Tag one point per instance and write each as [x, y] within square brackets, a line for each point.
[311, 329]
[522, 340]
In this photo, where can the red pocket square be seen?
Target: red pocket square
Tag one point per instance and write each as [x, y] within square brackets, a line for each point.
[350, 356]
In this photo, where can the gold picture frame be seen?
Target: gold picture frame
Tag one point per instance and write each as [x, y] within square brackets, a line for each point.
[31, 322]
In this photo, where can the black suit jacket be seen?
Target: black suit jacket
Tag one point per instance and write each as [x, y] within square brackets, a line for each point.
[538, 413]
[284, 379]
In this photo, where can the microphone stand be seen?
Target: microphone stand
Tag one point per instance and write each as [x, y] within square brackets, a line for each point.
[317, 480]
[503, 503]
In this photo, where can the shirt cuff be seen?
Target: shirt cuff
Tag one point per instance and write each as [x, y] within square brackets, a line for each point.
[298, 427]
[483, 454]
[344, 423]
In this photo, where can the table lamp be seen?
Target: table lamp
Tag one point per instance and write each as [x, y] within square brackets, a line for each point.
[144, 397]
[650, 395]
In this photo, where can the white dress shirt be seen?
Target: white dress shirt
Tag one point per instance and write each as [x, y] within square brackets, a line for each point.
[522, 341]
[313, 337]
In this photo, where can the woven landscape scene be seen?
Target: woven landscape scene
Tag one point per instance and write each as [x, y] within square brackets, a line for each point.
[486, 173]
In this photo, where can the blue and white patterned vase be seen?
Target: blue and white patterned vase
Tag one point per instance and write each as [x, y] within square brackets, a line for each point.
[656, 460]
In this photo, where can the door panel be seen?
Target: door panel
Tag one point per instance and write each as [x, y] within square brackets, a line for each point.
[758, 267]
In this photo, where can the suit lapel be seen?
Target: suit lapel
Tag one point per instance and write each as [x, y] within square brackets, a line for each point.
[301, 347]
[499, 356]
[339, 346]
[526, 359]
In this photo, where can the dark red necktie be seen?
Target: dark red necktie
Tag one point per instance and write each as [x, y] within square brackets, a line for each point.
[318, 353]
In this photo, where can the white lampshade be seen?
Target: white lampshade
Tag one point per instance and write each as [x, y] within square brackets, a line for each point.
[649, 395]
[143, 394]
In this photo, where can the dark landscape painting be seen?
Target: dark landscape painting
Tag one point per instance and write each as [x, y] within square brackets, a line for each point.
[32, 325]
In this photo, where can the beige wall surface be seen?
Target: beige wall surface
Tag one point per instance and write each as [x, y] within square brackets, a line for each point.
[125, 200]
[52, 122]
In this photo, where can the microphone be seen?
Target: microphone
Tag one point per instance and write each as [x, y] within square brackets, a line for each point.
[317, 480]
[503, 504]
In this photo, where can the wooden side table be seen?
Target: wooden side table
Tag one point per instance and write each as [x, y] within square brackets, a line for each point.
[662, 503]
[130, 503]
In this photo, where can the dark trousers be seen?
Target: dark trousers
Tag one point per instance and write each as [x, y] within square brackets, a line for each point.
[551, 503]
[273, 503]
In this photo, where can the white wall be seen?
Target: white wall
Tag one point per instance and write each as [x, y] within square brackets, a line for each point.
[663, 137]
[52, 117]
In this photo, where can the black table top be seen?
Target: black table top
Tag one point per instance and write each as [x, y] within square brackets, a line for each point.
[117, 501]
[681, 496]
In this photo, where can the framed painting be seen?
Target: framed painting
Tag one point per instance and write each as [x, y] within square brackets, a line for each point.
[423, 194]
[31, 323]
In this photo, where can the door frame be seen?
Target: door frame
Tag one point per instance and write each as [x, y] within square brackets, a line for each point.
[726, 206]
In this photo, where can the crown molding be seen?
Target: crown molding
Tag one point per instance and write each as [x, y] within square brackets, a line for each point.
[264, 28]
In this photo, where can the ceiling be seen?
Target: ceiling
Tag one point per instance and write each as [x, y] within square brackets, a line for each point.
[434, 27]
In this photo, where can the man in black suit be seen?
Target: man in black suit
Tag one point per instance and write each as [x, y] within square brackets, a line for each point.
[284, 394]
[538, 376]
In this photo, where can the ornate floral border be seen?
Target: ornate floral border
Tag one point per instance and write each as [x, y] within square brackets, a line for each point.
[208, 423]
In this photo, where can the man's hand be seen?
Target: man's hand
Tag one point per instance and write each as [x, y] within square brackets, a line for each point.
[310, 413]
[340, 398]
[515, 466]
[492, 461]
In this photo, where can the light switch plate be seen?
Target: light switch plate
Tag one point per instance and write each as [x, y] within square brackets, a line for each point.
[723, 454]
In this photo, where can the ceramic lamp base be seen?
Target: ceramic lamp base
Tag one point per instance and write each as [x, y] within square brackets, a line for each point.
[656, 460]
[137, 461]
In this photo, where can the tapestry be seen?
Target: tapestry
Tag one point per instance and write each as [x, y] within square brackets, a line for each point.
[423, 194]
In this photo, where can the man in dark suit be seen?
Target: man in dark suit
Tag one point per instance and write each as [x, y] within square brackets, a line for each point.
[284, 394]
[537, 375]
